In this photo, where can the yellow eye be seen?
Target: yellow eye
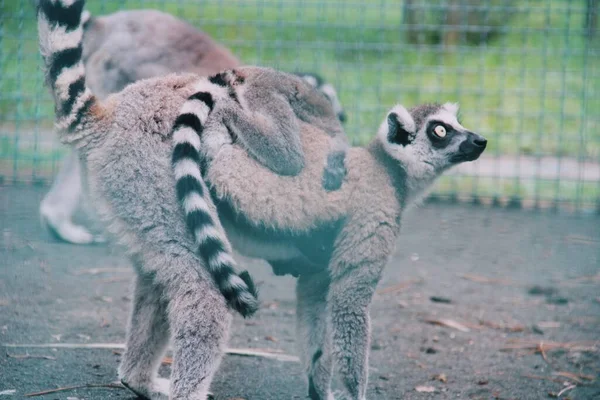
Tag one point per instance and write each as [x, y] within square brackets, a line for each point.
[440, 131]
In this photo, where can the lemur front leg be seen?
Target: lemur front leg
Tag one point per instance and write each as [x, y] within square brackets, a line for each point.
[315, 349]
[360, 256]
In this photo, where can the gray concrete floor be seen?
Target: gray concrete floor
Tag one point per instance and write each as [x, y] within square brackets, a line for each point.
[57, 293]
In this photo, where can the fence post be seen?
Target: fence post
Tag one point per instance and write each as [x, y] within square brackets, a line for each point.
[591, 18]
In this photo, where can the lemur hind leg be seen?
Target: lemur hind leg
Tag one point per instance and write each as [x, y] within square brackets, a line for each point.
[60, 203]
[147, 339]
[315, 352]
[199, 319]
[181, 303]
[355, 271]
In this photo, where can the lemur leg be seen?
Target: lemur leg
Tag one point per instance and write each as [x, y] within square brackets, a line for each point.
[355, 271]
[199, 318]
[315, 351]
[60, 203]
[270, 133]
[147, 339]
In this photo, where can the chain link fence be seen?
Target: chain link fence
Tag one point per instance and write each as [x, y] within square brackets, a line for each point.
[526, 73]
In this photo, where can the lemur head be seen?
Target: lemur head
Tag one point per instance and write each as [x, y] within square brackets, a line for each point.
[428, 139]
[262, 87]
[317, 82]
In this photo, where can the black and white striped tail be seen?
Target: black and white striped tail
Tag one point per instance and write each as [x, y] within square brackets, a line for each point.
[192, 193]
[60, 35]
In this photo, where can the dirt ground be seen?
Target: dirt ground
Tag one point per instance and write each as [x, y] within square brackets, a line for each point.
[466, 288]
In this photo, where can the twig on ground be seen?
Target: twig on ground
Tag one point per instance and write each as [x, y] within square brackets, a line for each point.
[543, 378]
[399, 287]
[69, 345]
[583, 279]
[24, 356]
[485, 279]
[264, 353]
[97, 271]
[534, 345]
[579, 378]
[542, 352]
[507, 328]
[581, 239]
[449, 323]
[566, 389]
[115, 279]
[67, 388]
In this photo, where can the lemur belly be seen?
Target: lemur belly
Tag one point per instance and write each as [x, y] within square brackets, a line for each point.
[311, 249]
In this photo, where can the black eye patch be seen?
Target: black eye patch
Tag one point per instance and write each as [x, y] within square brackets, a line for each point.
[437, 141]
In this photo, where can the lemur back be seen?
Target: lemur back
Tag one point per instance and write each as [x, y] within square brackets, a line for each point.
[126, 46]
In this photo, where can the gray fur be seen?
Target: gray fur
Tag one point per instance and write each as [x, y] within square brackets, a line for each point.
[346, 236]
[124, 47]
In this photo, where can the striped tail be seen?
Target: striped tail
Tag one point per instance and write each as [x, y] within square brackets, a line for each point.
[201, 217]
[60, 35]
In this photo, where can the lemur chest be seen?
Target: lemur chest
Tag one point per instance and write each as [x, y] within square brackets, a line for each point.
[294, 252]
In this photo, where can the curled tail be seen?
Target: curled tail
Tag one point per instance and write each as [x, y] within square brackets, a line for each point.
[60, 35]
[201, 218]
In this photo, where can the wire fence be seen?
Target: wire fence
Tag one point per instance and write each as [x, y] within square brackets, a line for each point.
[526, 73]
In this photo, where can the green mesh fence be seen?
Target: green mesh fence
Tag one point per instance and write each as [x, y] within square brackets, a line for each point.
[525, 73]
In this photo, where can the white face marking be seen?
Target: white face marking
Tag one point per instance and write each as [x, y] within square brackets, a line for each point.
[447, 117]
[331, 94]
[312, 81]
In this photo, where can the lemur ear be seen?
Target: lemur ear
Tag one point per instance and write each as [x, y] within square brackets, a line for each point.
[401, 126]
[452, 107]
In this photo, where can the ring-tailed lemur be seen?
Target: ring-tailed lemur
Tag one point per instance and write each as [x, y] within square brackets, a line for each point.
[344, 237]
[336, 242]
[124, 47]
[185, 282]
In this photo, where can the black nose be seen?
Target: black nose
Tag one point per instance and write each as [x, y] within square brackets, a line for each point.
[471, 148]
[342, 116]
[478, 141]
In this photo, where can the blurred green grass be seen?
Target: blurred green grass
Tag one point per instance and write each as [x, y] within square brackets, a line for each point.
[532, 90]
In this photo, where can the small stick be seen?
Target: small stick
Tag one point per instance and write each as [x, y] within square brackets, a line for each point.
[543, 378]
[66, 388]
[542, 352]
[566, 389]
[264, 353]
[576, 377]
[398, 287]
[23, 356]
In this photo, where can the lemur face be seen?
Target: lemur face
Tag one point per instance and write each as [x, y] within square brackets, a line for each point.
[429, 137]
[328, 90]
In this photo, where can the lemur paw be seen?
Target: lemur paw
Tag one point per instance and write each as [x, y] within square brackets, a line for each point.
[335, 171]
[158, 391]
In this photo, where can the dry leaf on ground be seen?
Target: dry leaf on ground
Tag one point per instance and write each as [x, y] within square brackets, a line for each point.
[399, 286]
[449, 323]
[425, 389]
